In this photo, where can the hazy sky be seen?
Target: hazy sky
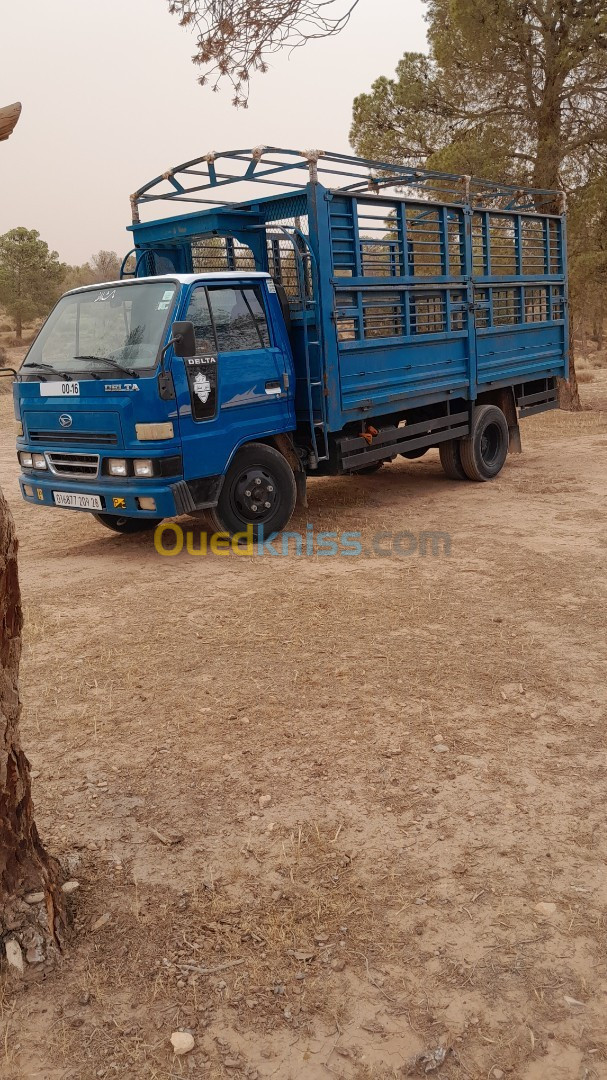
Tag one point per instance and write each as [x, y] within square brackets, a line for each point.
[110, 100]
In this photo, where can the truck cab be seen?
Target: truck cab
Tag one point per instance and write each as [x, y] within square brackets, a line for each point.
[117, 420]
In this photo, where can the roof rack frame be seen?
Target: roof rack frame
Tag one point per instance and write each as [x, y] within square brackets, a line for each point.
[282, 168]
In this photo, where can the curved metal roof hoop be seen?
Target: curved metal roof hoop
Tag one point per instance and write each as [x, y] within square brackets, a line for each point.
[227, 179]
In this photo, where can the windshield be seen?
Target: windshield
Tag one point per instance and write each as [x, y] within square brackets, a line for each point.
[103, 328]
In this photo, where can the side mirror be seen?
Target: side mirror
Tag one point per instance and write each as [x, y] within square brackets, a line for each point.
[184, 339]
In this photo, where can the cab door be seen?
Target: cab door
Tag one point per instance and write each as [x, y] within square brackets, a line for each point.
[239, 386]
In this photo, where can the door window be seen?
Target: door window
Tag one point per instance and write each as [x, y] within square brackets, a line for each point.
[235, 323]
[240, 320]
[200, 316]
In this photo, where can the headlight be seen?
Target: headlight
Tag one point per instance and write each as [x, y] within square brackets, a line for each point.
[117, 467]
[143, 467]
[26, 461]
[39, 461]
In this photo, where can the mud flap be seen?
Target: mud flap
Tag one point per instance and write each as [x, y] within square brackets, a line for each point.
[285, 446]
[504, 399]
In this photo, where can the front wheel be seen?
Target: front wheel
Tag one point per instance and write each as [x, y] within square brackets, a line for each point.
[259, 490]
[485, 450]
[126, 525]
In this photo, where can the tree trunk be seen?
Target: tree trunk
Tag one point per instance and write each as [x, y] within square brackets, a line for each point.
[569, 394]
[25, 867]
[18, 326]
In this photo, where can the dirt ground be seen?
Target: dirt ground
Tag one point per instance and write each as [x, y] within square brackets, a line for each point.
[336, 817]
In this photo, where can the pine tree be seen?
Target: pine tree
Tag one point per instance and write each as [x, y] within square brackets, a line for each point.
[31, 276]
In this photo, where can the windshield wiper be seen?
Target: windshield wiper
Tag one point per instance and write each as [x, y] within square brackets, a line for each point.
[111, 362]
[48, 367]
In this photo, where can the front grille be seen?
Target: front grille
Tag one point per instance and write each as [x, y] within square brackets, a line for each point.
[83, 465]
[98, 438]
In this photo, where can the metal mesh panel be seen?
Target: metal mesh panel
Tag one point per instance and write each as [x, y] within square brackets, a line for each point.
[428, 314]
[383, 315]
[502, 245]
[506, 307]
[285, 254]
[425, 241]
[536, 304]
[213, 254]
[533, 242]
[283, 210]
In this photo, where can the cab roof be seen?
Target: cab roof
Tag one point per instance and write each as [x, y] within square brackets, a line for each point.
[181, 279]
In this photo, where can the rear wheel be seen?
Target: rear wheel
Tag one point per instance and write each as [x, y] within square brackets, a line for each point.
[259, 490]
[450, 459]
[127, 524]
[485, 450]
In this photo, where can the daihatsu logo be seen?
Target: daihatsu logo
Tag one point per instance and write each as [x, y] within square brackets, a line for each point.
[65, 420]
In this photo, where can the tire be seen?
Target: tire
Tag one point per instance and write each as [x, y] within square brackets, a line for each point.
[485, 450]
[127, 525]
[368, 469]
[413, 455]
[257, 476]
[450, 459]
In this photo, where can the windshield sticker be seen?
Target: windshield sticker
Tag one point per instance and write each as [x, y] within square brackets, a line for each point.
[201, 373]
[271, 287]
[168, 295]
[163, 305]
[106, 294]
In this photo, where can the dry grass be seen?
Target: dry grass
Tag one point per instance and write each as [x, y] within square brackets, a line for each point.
[163, 698]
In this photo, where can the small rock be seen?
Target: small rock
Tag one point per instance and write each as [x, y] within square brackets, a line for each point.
[35, 954]
[102, 921]
[182, 1042]
[440, 748]
[34, 897]
[498, 1074]
[70, 887]
[338, 964]
[534, 716]
[230, 1063]
[264, 800]
[14, 956]
[545, 908]
[438, 738]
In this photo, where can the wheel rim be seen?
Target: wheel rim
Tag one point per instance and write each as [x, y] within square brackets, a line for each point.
[254, 495]
[491, 445]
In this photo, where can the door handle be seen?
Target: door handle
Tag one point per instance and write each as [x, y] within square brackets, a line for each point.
[273, 387]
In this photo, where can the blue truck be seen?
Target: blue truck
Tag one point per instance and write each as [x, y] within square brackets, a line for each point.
[314, 314]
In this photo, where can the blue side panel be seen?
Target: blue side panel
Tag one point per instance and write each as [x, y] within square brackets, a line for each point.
[531, 345]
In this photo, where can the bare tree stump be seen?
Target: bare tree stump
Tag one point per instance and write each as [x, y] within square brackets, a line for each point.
[30, 929]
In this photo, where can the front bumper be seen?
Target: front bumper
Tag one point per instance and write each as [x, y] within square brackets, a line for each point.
[116, 498]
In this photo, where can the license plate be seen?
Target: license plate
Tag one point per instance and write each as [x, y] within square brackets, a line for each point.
[76, 500]
[60, 389]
